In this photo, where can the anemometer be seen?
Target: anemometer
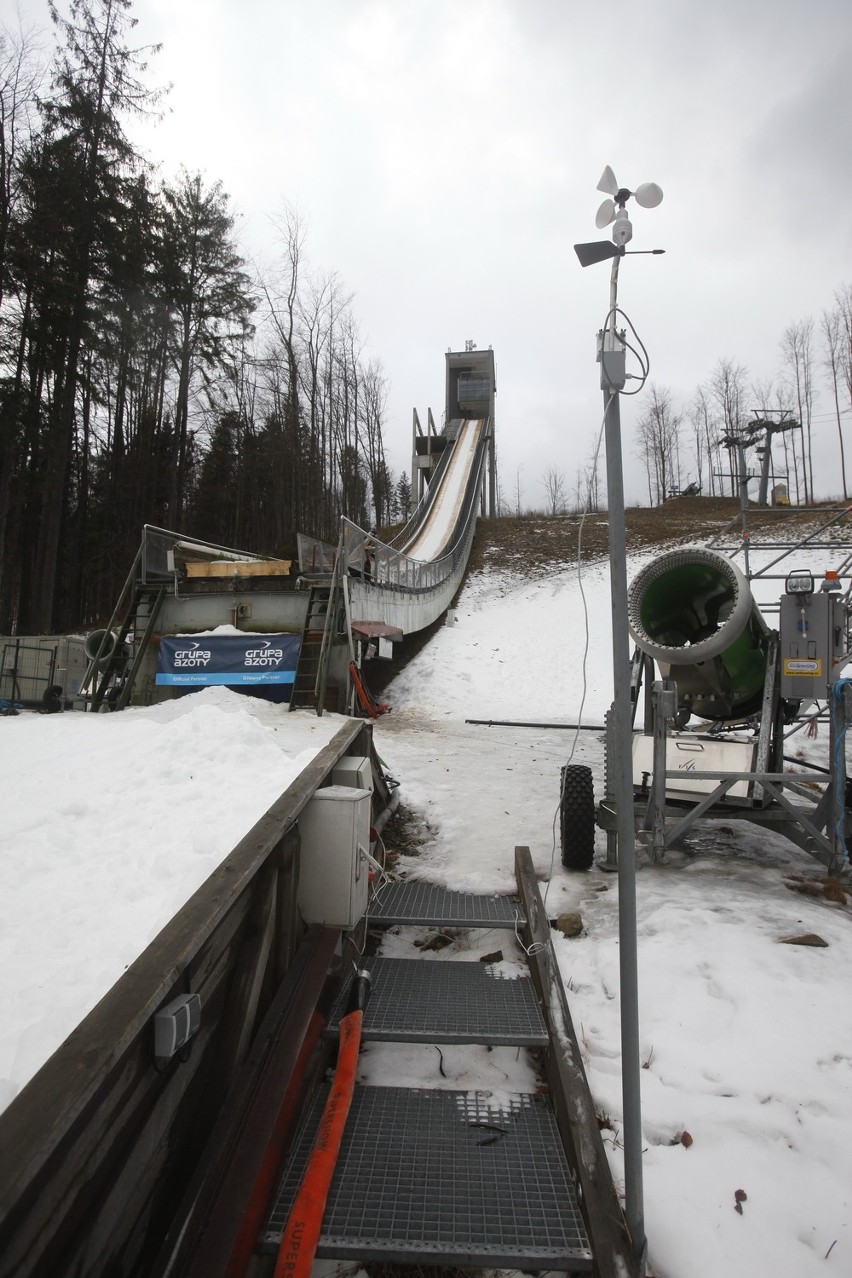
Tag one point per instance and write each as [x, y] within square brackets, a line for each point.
[611, 354]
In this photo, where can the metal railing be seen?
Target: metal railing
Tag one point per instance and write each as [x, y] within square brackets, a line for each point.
[386, 567]
[418, 516]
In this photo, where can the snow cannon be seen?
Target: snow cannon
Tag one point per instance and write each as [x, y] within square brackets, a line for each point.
[693, 612]
[104, 642]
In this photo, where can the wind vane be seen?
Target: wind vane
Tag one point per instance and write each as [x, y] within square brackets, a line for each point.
[614, 212]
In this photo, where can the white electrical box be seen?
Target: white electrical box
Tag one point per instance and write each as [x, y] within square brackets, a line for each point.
[686, 755]
[333, 864]
[355, 771]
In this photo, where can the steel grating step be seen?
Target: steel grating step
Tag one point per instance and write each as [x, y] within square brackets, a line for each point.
[444, 1177]
[411, 901]
[429, 1001]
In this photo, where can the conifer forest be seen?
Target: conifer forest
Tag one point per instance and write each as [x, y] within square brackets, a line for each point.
[147, 373]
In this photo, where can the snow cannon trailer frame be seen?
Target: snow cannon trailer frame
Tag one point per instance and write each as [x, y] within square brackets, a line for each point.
[694, 616]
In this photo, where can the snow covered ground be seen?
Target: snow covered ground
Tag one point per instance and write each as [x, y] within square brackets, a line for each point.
[110, 823]
[747, 1042]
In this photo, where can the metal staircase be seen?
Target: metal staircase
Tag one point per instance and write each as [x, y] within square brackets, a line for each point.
[111, 672]
[326, 623]
[464, 1178]
[304, 692]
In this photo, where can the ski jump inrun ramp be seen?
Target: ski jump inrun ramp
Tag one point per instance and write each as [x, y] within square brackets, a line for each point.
[415, 578]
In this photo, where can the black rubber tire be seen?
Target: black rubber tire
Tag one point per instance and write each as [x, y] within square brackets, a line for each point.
[577, 817]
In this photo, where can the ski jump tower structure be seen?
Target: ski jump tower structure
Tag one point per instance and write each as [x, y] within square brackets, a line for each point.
[471, 387]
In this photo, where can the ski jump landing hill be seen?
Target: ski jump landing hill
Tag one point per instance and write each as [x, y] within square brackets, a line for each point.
[413, 579]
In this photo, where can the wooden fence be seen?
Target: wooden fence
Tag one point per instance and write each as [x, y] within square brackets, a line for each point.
[99, 1148]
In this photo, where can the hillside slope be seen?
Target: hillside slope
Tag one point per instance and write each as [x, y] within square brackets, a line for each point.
[532, 547]
[533, 543]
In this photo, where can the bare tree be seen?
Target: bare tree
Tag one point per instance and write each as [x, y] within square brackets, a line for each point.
[21, 77]
[502, 504]
[374, 401]
[700, 419]
[726, 387]
[554, 487]
[659, 444]
[836, 329]
[592, 484]
[797, 349]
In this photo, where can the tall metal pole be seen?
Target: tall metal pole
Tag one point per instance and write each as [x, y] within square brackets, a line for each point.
[612, 357]
[612, 380]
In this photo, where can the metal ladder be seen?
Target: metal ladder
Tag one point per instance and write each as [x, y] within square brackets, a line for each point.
[327, 622]
[304, 692]
[108, 673]
[437, 1176]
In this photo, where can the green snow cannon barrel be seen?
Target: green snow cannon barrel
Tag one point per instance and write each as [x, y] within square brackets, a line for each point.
[692, 611]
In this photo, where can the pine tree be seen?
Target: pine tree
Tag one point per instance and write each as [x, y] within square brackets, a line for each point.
[403, 496]
[210, 299]
[78, 173]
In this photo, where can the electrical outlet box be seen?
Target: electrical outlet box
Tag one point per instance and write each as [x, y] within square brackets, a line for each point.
[612, 358]
[353, 770]
[333, 865]
[812, 644]
[613, 370]
[175, 1024]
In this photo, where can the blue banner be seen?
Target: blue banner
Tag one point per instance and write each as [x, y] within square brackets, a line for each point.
[230, 659]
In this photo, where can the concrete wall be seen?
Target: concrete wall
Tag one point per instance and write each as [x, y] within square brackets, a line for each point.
[270, 612]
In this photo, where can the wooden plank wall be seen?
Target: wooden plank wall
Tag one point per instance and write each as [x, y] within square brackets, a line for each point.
[97, 1150]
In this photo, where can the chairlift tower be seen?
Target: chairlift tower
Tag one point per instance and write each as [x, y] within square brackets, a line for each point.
[769, 427]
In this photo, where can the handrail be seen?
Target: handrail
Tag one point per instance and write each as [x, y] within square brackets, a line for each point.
[418, 515]
[393, 570]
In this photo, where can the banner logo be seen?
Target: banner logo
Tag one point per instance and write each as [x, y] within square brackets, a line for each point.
[192, 658]
[228, 659]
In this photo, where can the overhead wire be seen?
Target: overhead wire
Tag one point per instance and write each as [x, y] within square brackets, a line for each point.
[586, 636]
[644, 360]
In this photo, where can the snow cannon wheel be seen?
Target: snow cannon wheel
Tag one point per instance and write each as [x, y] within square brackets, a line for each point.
[577, 817]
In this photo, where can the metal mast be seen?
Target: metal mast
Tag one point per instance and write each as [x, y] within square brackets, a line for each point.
[612, 359]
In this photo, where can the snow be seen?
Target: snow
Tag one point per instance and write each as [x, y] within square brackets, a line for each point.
[444, 506]
[110, 824]
[112, 820]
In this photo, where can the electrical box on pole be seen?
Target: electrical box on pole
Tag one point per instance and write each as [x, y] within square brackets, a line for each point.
[813, 639]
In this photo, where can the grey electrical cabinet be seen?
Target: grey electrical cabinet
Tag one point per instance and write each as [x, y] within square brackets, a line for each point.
[812, 644]
[354, 770]
[333, 861]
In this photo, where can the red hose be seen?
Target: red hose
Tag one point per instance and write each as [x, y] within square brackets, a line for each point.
[368, 703]
[258, 1204]
[301, 1233]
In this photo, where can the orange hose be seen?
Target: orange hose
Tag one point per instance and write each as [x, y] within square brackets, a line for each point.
[301, 1233]
[368, 702]
[258, 1203]
[363, 696]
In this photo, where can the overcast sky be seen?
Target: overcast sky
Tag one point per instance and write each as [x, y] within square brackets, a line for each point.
[445, 156]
